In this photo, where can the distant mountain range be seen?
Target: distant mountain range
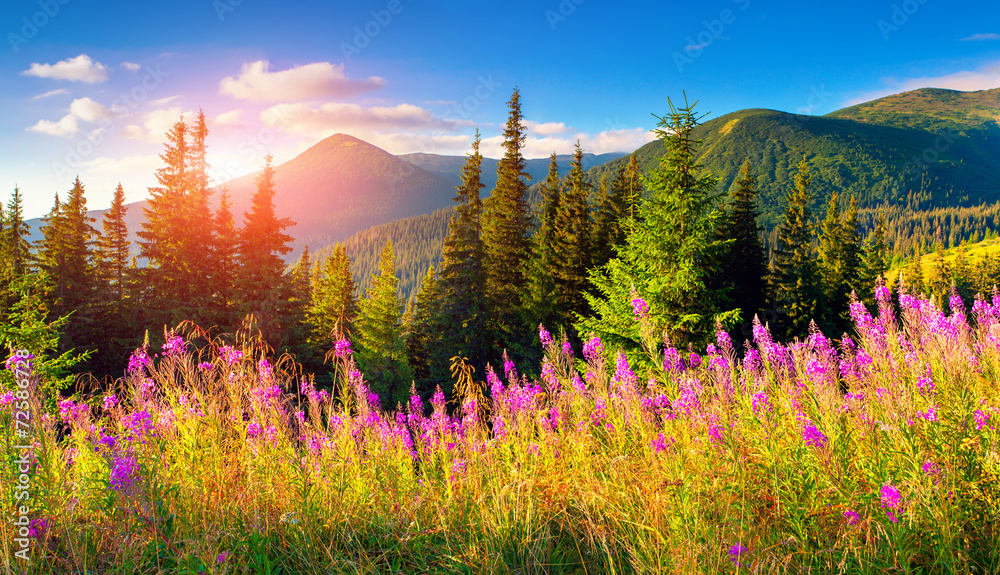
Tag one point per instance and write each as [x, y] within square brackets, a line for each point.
[930, 147]
[940, 147]
[343, 185]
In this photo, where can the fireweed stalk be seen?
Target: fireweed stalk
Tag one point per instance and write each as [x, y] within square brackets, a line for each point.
[873, 453]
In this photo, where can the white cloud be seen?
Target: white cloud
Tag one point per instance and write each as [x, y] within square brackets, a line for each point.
[164, 101]
[612, 140]
[156, 124]
[335, 116]
[51, 93]
[130, 66]
[65, 127]
[230, 119]
[977, 37]
[546, 128]
[79, 69]
[986, 77]
[311, 81]
[88, 110]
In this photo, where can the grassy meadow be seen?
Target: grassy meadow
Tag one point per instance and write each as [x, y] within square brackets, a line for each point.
[873, 454]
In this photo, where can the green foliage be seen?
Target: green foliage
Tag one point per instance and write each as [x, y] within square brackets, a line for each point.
[669, 252]
[458, 300]
[26, 326]
[795, 279]
[742, 269]
[334, 303]
[839, 258]
[571, 243]
[381, 352]
[506, 224]
[427, 338]
[614, 210]
[262, 287]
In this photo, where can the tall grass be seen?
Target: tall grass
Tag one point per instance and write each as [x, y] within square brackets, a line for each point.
[878, 455]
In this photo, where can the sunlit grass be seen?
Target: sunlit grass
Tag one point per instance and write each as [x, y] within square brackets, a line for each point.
[876, 456]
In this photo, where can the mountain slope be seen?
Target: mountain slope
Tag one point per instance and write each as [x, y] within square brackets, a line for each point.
[890, 150]
[450, 167]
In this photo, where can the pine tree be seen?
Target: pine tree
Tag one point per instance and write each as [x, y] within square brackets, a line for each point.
[743, 270]
[614, 210]
[572, 229]
[334, 304]
[915, 275]
[506, 227]
[541, 302]
[424, 336]
[14, 236]
[161, 240]
[794, 274]
[197, 229]
[114, 247]
[874, 259]
[462, 283]
[225, 246]
[669, 252]
[839, 265]
[381, 353]
[262, 286]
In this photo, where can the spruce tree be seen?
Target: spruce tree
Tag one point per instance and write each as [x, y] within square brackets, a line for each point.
[462, 281]
[262, 286]
[114, 247]
[224, 249]
[424, 338]
[161, 240]
[743, 269]
[381, 353]
[14, 236]
[669, 252]
[794, 274]
[572, 229]
[614, 210]
[839, 265]
[541, 302]
[197, 229]
[874, 262]
[506, 227]
[334, 305]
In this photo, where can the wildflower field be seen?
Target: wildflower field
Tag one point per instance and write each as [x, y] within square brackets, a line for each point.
[874, 455]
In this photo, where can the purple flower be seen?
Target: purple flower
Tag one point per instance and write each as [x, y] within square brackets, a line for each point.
[852, 517]
[544, 336]
[230, 355]
[139, 424]
[639, 307]
[138, 361]
[567, 348]
[593, 349]
[982, 418]
[509, 370]
[110, 401]
[223, 557]
[342, 348]
[205, 366]
[124, 471]
[761, 402]
[892, 500]
[37, 528]
[254, 429]
[931, 468]
[813, 436]
[7, 399]
[736, 552]
[174, 346]
[659, 444]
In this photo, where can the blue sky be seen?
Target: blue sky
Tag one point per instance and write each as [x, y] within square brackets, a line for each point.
[90, 87]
